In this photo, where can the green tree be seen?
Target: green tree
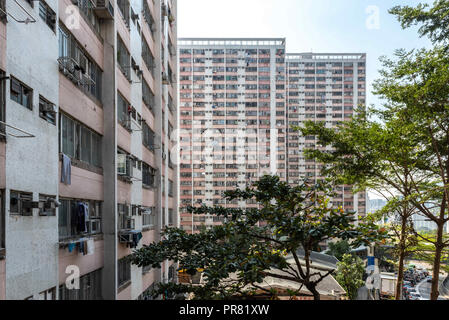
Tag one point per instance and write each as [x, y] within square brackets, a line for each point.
[254, 243]
[350, 274]
[433, 20]
[339, 249]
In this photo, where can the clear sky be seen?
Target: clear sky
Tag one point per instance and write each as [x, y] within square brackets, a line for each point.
[309, 25]
[320, 26]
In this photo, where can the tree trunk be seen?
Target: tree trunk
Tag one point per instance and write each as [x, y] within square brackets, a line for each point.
[436, 264]
[401, 259]
[316, 294]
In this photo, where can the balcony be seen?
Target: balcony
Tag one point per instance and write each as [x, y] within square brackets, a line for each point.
[104, 9]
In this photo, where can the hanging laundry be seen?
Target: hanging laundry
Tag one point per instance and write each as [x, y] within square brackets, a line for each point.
[136, 239]
[66, 170]
[71, 246]
[82, 214]
[90, 247]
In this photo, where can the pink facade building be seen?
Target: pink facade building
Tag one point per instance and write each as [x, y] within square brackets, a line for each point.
[232, 119]
[239, 99]
[89, 86]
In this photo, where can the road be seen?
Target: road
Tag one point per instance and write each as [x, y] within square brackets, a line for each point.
[424, 289]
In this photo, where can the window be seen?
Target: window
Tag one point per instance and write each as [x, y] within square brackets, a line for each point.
[125, 219]
[124, 272]
[2, 221]
[148, 137]
[123, 109]
[170, 217]
[148, 176]
[90, 288]
[47, 110]
[2, 11]
[21, 93]
[47, 206]
[75, 64]
[68, 210]
[170, 188]
[123, 6]
[21, 204]
[147, 96]
[149, 217]
[47, 14]
[2, 103]
[147, 56]
[148, 17]
[125, 165]
[79, 142]
[123, 58]
[86, 8]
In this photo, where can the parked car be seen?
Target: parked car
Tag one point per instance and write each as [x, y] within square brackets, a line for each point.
[415, 296]
[429, 279]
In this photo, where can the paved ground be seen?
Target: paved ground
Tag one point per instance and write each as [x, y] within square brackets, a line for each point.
[424, 289]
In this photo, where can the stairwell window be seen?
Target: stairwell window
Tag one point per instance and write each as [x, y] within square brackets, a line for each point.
[123, 6]
[147, 96]
[124, 110]
[48, 15]
[124, 272]
[148, 175]
[21, 93]
[149, 217]
[148, 137]
[147, 56]
[123, 58]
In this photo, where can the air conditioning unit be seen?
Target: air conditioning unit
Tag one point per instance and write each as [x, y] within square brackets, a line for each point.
[50, 108]
[104, 9]
[126, 238]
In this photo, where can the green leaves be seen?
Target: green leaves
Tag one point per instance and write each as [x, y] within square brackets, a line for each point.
[250, 242]
[350, 274]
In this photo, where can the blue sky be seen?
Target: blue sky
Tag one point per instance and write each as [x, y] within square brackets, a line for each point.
[308, 25]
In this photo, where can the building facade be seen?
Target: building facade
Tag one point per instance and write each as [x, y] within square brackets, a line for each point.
[88, 114]
[324, 88]
[239, 99]
[232, 119]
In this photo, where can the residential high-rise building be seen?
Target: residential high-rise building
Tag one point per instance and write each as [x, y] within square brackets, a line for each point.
[88, 105]
[239, 99]
[325, 88]
[232, 119]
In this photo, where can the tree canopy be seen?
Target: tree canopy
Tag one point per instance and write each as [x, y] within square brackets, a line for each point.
[253, 242]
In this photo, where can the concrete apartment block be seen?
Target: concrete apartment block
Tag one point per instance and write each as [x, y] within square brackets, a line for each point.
[232, 119]
[94, 81]
[239, 99]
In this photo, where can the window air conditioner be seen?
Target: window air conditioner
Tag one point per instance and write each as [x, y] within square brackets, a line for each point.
[49, 108]
[126, 238]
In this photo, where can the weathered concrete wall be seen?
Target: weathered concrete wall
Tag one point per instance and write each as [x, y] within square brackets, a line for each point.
[32, 164]
[2, 279]
[86, 264]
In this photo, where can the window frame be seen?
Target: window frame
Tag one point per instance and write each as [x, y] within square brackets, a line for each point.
[22, 87]
[46, 115]
[94, 216]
